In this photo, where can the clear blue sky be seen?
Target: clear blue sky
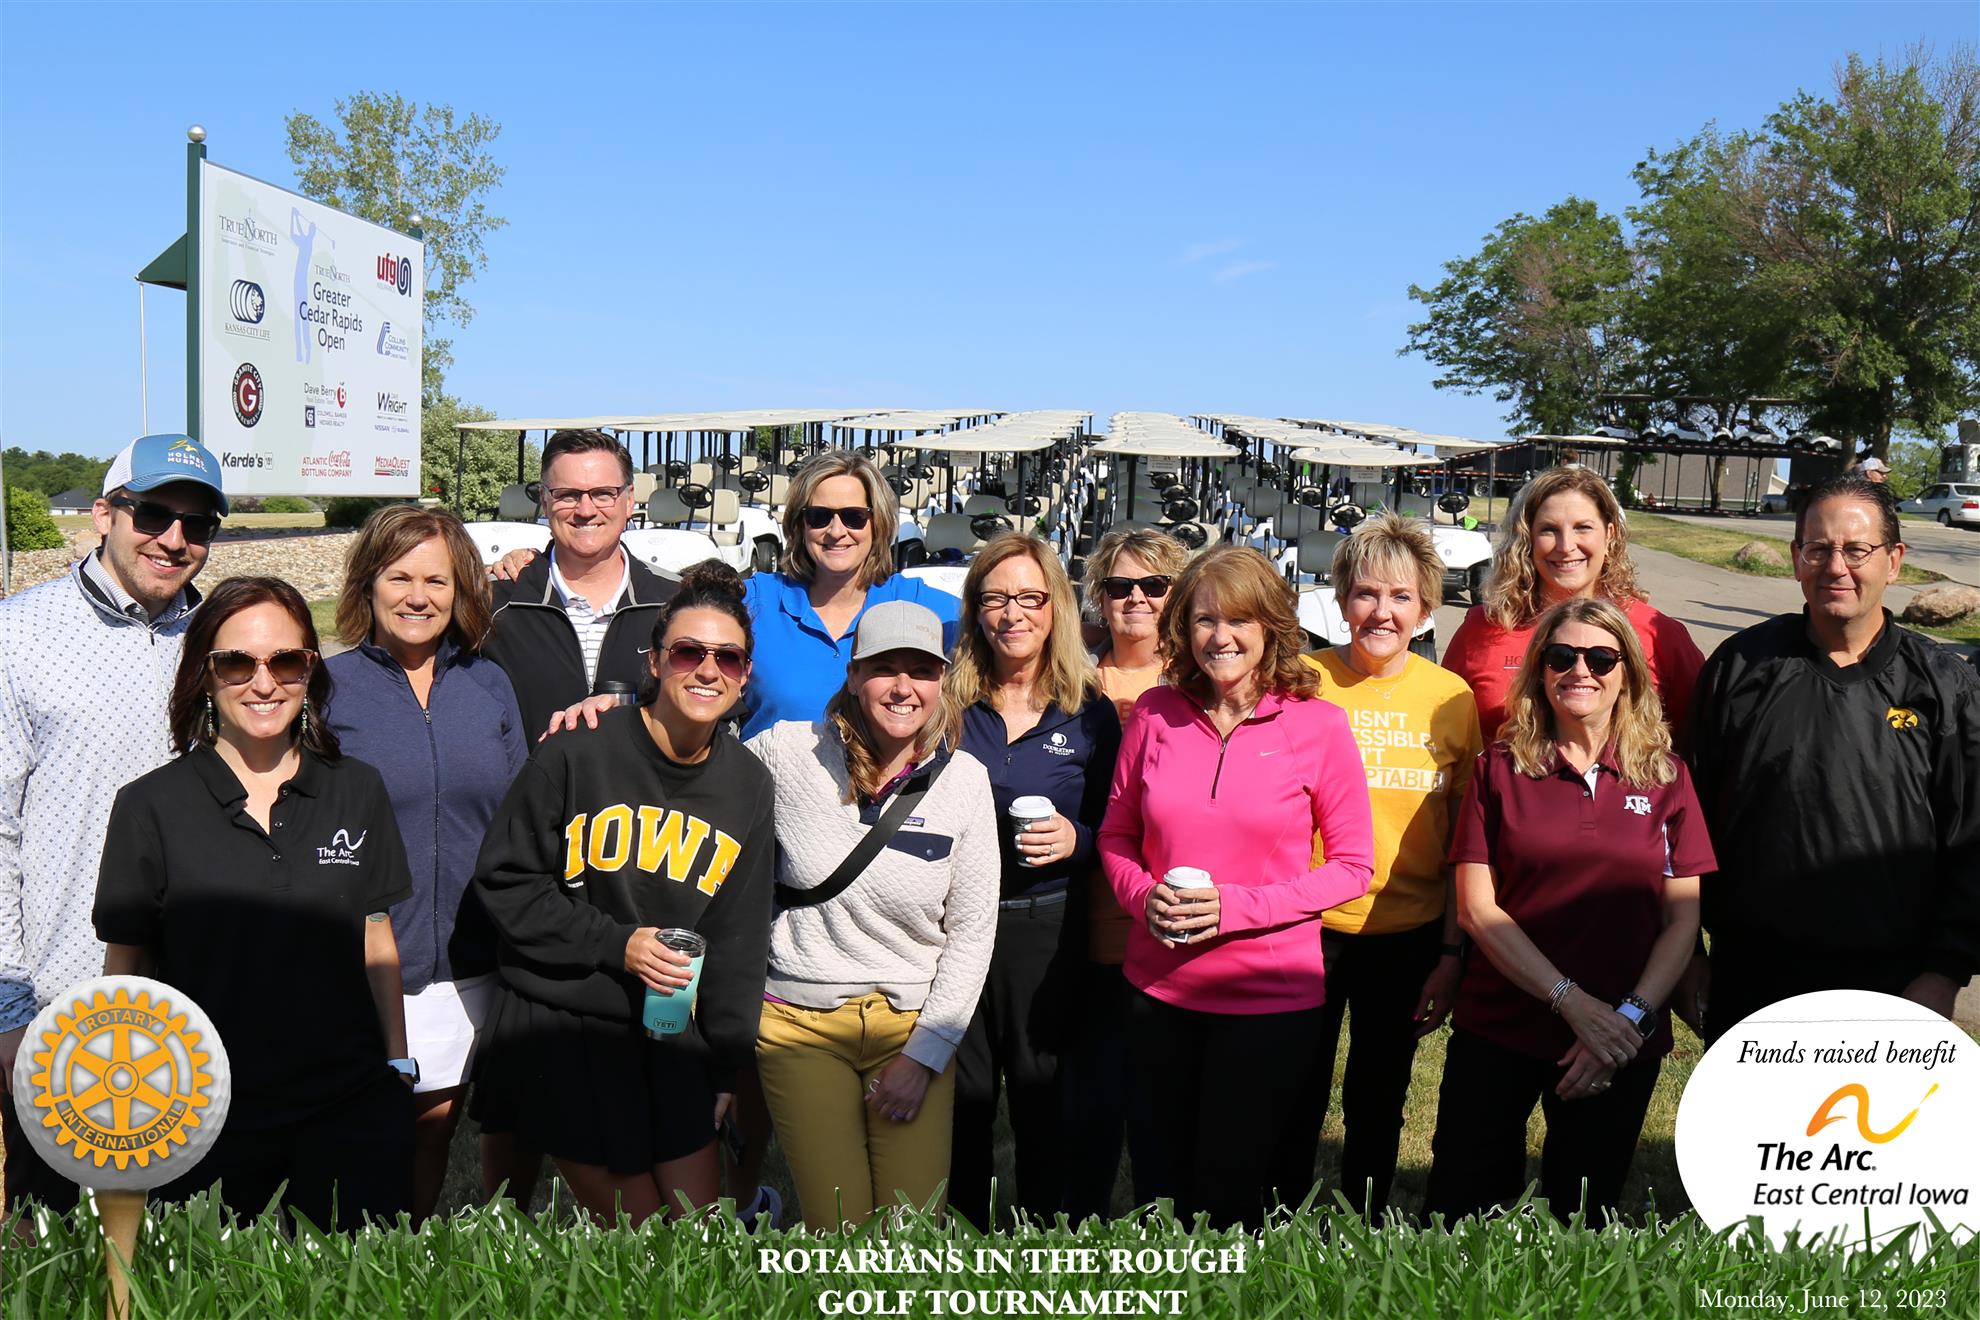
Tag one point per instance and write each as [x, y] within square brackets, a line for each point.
[1099, 206]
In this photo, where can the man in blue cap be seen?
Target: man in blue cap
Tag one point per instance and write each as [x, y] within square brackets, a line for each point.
[86, 667]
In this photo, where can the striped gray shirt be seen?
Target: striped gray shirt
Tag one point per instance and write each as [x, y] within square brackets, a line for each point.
[589, 624]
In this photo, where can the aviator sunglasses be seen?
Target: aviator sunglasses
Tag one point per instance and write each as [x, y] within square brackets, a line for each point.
[1120, 588]
[1559, 657]
[287, 667]
[817, 517]
[686, 657]
[151, 518]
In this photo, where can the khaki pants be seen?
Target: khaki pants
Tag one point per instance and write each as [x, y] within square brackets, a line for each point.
[846, 1159]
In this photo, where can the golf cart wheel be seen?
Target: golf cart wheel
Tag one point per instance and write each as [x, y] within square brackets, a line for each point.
[1475, 583]
[763, 555]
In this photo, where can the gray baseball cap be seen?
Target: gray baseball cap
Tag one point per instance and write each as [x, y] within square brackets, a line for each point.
[899, 625]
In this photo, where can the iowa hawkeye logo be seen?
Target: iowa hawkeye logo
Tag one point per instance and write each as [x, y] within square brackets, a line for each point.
[655, 840]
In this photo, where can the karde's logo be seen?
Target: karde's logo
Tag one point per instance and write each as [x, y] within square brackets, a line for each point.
[1861, 1094]
[1900, 718]
[342, 851]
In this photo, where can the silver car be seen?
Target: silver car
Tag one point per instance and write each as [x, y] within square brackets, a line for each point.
[1951, 502]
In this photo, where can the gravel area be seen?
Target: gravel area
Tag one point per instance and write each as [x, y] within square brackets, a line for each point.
[312, 562]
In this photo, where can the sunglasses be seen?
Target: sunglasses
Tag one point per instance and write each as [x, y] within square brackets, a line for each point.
[817, 517]
[1560, 657]
[287, 667]
[1120, 588]
[151, 518]
[686, 657]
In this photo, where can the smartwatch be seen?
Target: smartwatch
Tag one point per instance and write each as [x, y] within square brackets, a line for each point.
[1633, 1014]
[406, 1068]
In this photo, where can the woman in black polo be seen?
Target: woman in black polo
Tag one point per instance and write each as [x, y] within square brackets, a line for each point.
[1578, 851]
[254, 873]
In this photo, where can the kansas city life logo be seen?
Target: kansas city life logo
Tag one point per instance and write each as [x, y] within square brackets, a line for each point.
[247, 302]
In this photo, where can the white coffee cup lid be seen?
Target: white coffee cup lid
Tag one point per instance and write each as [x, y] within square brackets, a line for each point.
[1188, 877]
[1033, 808]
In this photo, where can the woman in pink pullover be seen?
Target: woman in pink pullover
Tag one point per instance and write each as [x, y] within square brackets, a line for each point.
[1236, 769]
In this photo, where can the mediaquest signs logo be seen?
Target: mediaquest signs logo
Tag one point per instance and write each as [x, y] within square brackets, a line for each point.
[1830, 1111]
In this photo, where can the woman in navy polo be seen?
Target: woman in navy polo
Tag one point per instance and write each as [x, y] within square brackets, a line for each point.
[415, 699]
[1578, 852]
[1034, 716]
[255, 873]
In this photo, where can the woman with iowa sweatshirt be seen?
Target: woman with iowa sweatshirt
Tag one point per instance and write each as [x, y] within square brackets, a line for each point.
[657, 818]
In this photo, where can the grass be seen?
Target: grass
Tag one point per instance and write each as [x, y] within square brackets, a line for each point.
[324, 614]
[1716, 546]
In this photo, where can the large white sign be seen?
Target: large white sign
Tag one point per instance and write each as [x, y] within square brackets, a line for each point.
[309, 343]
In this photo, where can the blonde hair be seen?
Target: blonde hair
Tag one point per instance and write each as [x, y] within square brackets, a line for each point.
[1636, 726]
[844, 713]
[1067, 677]
[880, 498]
[389, 535]
[1246, 586]
[1512, 597]
[1393, 548]
[1162, 553]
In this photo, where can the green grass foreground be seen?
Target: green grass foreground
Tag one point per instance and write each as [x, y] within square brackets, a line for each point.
[1317, 1263]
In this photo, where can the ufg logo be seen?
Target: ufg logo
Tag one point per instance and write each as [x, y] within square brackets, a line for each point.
[1861, 1094]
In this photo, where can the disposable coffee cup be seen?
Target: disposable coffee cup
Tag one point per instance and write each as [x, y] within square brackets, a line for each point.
[1183, 878]
[666, 1016]
[1027, 811]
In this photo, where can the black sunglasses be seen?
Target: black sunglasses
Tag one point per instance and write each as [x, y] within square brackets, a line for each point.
[686, 657]
[287, 667]
[151, 518]
[1559, 657]
[1154, 587]
[817, 517]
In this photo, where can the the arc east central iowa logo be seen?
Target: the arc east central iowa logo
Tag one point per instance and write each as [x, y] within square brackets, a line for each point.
[1856, 1091]
[656, 839]
[121, 1078]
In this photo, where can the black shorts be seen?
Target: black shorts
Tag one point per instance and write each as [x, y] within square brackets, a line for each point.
[588, 1090]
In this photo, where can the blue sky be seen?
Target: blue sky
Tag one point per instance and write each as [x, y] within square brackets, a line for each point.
[1179, 207]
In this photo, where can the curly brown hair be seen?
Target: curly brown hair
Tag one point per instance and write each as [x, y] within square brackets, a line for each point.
[1512, 598]
[1245, 585]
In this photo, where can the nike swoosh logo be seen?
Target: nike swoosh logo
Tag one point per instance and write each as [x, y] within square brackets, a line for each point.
[1271, 753]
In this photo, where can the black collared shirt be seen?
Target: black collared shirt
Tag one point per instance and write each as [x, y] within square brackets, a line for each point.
[263, 929]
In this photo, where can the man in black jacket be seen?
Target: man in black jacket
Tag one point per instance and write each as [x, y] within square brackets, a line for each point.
[576, 621]
[1837, 759]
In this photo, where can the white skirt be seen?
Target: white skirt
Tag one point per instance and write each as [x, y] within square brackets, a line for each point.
[441, 1022]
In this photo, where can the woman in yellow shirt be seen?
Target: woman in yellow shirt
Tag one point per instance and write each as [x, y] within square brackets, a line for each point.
[1392, 956]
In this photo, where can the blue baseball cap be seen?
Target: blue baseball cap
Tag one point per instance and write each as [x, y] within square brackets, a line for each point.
[151, 461]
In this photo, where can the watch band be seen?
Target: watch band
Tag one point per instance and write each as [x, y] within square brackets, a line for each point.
[1631, 1011]
[408, 1068]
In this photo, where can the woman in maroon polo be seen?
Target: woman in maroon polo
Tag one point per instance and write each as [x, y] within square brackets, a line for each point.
[1578, 852]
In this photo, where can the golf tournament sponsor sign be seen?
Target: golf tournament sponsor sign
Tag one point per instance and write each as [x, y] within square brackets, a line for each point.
[1842, 1110]
[310, 328]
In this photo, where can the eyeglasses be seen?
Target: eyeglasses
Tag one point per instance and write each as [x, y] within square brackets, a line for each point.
[1816, 554]
[686, 657]
[1560, 657]
[150, 518]
[569, 497]
[817, 517]
[1024, 600]
[287, 667]
[1154, 587]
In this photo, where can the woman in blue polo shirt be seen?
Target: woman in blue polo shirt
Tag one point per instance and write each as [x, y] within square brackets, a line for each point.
[1035, 717]
[1578, 851]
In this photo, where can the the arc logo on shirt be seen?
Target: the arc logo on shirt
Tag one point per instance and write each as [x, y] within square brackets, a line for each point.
[654, 839]
[341, 850]
[1900, 718]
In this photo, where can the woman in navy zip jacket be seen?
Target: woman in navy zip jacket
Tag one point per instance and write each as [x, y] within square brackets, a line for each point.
[1035, 717]
[441, 724]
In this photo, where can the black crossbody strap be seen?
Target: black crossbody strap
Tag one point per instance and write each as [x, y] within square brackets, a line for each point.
[869, 847]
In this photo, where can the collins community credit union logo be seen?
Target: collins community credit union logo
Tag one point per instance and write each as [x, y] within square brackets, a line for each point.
[1833, 1112]
[392, 343]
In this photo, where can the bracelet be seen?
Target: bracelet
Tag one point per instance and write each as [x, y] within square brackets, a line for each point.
[1452, 951]
[1559, 994]
[1640, 1002]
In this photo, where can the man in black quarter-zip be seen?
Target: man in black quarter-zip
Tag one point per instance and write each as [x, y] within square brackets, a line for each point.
[1837, 759]
[576, 620]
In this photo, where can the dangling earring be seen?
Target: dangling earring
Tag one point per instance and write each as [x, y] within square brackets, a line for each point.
[305, 717]
[212, 722]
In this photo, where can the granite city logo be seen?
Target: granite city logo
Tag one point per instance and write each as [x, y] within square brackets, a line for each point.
[247, 394]
[395, 273]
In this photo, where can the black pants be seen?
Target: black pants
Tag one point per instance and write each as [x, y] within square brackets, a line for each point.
[355, 1156]
[1375, 980]
[1747, 978]
[1216, 1095]
[1478, 1158]
[1023, 1024]
[1097, 1094]
[29, 1178]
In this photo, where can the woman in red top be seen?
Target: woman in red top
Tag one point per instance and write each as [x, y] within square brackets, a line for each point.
[1566, 539]
[1578, 853]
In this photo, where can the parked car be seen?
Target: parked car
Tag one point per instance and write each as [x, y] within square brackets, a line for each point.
[1951, 502]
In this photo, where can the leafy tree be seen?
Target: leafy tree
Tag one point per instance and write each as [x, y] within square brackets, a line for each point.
[490, 457]
[29, 525]
[1536, 317]
[393, 160]
[1914, 466]
[51, 474]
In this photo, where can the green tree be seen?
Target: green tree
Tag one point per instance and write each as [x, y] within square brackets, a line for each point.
[1535, 317]
[1914, 466]
[489, 457]
[389, 160]
[29, 525]
[1869, 214]
[51, 474]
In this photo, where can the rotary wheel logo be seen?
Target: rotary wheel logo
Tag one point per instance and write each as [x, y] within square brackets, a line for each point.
[122, 1078]
[247, 394]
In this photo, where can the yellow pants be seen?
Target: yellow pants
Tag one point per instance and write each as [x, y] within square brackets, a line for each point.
[845, 1158]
